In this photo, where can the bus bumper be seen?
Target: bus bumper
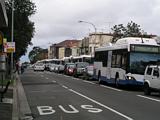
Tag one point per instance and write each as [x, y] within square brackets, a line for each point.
[130, 82]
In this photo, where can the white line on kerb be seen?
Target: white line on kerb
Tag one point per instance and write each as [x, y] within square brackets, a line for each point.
[149, 98]
[88, 82]
[102, 105]
[111, 88]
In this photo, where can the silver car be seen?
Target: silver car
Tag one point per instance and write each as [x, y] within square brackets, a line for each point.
[39, 67]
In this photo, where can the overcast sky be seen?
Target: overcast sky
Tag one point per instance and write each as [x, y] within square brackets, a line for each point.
[57, 20]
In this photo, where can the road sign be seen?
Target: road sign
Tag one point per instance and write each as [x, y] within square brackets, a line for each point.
[1, 41]
[9, 47]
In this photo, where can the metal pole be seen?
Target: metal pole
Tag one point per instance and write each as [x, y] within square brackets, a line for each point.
[93, 27]
[12, 36]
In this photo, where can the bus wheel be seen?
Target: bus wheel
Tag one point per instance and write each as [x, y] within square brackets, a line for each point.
[146, 89]
[116, 80]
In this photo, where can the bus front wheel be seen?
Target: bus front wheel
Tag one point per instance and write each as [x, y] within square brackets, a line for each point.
[146, 89]
[99, 78]
[116, 80]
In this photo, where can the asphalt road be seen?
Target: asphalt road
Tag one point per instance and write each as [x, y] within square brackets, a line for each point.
[53, 96]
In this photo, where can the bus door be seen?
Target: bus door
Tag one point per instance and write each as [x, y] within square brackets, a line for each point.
[109, 61]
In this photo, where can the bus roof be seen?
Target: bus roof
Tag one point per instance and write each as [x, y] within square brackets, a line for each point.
[124, 43]
[137, 40]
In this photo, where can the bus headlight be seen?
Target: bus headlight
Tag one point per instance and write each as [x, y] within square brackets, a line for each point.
[130, 78]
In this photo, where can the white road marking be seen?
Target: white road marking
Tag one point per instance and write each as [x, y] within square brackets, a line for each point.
[76, 79]
[149, 98]
[110, 88]
[88, 82]
[54, 81]
[47, 78]
[64, 86]
[102, 105]
[74, 110]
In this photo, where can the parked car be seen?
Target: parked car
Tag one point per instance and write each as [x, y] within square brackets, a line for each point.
[80, 68]
[69, 68]
[152, 79]
[59, 68]
[52, 67]
[39, 67]
[90, 72]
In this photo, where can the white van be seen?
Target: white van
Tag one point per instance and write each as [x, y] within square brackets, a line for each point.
[152, 79]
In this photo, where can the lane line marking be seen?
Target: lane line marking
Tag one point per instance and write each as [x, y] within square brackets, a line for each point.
[102, 105]
[47, 78]
[64, 86]
[75, 78]
[88, 82]
[54, 81]
[149, 98]
[111, 88]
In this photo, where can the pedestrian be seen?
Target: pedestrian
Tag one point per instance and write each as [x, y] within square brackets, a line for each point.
[22, 69]
[17, 67]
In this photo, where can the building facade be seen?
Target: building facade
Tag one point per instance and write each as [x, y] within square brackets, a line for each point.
[63, 49]
[88, 44]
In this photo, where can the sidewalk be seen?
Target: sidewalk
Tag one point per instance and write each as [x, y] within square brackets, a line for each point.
[6, 106]
[15, 105]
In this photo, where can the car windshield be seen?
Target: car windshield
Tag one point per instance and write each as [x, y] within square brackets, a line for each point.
[39, 64]
[139, 61]
[82, 65]
[71, 66]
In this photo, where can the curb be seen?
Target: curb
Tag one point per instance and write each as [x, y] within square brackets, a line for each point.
[21, 109]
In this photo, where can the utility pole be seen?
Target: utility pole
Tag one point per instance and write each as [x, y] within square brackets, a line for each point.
[95, 29]
[12, 37]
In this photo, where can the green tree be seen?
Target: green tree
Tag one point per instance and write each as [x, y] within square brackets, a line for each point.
[34, 54]
[118, 32]
[23, 27]
[131, 30]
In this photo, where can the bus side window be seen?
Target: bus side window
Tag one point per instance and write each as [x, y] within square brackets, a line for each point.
[124, 61]
[113, 60]
[118, 61]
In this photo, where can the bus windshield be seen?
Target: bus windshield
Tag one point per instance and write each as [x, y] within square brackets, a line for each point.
[139, 61]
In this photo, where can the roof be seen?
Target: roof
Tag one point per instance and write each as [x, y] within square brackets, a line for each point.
[124, 42]
[137, 40]
[68, 43]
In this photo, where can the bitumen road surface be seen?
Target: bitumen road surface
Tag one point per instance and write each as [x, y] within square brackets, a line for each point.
[53, 96]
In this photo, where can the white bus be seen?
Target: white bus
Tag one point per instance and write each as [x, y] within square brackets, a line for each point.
[83, 58]
[124, 62]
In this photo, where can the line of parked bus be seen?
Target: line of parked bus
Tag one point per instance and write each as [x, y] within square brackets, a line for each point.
[74, 66]
[122, 63]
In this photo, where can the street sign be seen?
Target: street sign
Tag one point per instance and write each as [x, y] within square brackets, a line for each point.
[9, 47]
[1, 42]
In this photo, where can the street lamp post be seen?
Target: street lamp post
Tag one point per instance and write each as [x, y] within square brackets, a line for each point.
[94, 29]
[12, 36]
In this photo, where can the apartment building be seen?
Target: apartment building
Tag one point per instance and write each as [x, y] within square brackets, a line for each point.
[63, 49]
[88, 44]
